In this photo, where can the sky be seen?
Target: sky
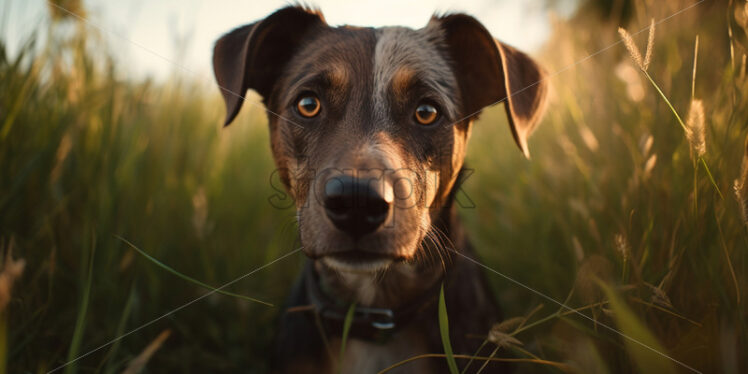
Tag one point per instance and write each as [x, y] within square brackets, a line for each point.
[157, 37]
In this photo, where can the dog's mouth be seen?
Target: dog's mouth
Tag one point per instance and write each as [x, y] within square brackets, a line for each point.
[358, 261]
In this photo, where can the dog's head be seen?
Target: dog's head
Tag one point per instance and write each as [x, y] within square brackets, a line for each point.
[369, 126]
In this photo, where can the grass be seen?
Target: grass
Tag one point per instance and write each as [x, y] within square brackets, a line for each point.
[610, 196]
[188, 278]
[81, 320]
[444, 332]
[344, 336]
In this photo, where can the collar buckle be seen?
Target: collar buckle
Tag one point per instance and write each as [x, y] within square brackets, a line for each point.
[379, 318]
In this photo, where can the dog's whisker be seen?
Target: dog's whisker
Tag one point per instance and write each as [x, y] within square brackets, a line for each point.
[434, 240]
[425, 253]
[449, 244]
[436, 248]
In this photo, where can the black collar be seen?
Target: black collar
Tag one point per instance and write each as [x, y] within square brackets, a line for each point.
[370, 324]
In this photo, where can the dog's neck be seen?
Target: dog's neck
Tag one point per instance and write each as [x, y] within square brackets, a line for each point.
[402, 281]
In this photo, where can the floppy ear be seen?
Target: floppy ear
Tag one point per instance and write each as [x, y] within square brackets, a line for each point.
[489, 71]
[253, 56]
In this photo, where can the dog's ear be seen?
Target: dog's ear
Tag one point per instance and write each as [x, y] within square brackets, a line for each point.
[253, 56]
[489, 71]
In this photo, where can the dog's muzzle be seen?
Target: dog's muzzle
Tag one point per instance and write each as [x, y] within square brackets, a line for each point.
[356, 206]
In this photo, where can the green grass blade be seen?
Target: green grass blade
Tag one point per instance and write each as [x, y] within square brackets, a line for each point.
[444, 331]
[187, 278]
[112, 353]
[711, 178]
[672, 109]
[80, 322]
[346, 329]
[683, 125]
[645, 350]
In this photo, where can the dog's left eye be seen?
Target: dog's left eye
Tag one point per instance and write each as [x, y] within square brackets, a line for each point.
[426, 114]
[308, 106]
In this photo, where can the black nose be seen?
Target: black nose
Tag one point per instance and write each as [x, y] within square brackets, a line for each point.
[354, 205]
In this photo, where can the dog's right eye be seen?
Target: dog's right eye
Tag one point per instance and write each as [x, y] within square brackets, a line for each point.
[308, 106]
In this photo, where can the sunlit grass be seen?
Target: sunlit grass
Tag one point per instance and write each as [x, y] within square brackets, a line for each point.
[612, 195]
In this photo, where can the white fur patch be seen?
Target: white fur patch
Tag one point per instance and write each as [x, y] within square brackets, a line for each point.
[357, 268]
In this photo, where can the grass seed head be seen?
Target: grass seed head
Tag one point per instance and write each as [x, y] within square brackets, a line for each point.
[499, 333]
[628, 41]
[659, 297]
[650, 45]
[695, 128]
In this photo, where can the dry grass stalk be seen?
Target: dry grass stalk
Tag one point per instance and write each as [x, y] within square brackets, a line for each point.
[649, 165]
[695, 130]
[740, 186]
[594, 269]
[589, 138]
[622, 246]
[12, 270]
[659, 297]
[732, 47]
[741, 16]
[200, 212]
[509, 325]
[646, 146]
[642, 63]
[695, 62]
[578, 250]
[62, 9]
[138, 363]
[66, 144]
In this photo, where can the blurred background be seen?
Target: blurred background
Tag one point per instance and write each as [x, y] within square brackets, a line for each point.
[110, 126]
[153, 37]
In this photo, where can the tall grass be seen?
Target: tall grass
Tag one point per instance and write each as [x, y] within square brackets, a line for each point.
[610, 195]
[89, 154]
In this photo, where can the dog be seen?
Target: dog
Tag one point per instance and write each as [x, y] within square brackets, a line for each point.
[368, 130]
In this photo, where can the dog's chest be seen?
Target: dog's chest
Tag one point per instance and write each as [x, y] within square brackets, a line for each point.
[365, 357]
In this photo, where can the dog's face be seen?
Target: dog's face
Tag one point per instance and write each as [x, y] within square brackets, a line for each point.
[369, 126]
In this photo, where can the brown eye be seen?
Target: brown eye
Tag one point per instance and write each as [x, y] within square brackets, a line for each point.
[426, 114]
[308, 106]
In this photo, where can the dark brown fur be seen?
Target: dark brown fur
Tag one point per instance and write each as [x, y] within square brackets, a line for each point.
[369, 82]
